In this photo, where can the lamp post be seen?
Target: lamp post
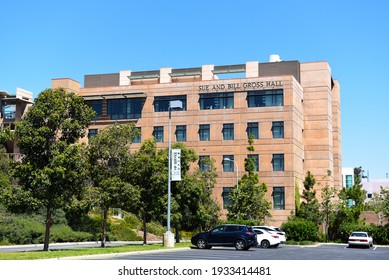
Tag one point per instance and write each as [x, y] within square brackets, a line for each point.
[168, 239]
[237, 171]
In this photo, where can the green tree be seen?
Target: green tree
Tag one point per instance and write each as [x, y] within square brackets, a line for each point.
[193, 194]
[148, 172]
[109, 159]
[52, 168]
[248, 200]
[327, 205]
[310, 207]
[6, 135]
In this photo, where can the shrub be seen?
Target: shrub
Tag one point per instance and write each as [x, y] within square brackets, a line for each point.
[155, 228]
[122, 231]
[380, 234]
[301, 230]
[64, 233]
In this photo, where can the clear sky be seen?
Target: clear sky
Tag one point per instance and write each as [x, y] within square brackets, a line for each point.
[41, 40]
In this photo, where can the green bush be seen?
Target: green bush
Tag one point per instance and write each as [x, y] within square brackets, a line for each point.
[19, 229]
[122, 231]
[155, 228]
[301, 230]
[380, 234]
[64, 233]
[30, 229]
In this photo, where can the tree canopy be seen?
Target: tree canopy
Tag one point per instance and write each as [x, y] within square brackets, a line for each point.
[52, 168]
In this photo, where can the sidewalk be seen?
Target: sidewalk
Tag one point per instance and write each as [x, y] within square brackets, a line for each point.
[68, 245]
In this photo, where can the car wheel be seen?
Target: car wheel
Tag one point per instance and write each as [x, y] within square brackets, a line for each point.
[265, 244]
[240, 244]
[201, 243]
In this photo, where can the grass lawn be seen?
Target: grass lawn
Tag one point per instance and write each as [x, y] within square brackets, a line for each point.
[35, 255]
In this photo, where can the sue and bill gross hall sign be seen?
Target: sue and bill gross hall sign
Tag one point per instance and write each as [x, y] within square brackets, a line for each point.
[240, 86]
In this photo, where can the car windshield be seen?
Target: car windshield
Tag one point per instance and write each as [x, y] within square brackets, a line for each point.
[359, 234]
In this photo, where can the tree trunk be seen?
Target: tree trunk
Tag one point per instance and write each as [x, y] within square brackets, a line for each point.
[144, 228]
[177, 234]
[49, 221]
[104, 228]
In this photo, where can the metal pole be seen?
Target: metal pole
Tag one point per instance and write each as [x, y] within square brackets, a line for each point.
[168, 180]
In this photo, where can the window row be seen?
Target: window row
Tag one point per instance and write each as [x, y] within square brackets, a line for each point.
[131, 108]
[229, 164]
[228, 131]
[204, 132]
[278, 195]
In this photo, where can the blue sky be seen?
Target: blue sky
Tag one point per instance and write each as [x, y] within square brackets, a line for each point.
[41, 40]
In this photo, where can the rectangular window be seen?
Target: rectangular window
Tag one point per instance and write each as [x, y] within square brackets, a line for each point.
[226, 198]
[255, 159]
[92, 133]
[252, 129]
[138, 135]
[181, 133]
[228, 131]
[204, 132]
[161, 103]
[204, 163]
[97, 106]
[278, 162]
[349, 181]
[228, 163]
[278, 129]
[129, 108]
[265, 98]
[158, 133]
[216, 101]
[279, 198]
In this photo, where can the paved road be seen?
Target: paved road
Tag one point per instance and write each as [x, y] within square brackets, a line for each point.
[59, 246]
[283, 252]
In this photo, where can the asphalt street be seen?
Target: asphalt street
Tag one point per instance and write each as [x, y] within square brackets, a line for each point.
[283, 252]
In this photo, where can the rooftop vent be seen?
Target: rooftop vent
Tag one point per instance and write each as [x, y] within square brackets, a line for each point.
[274, 58]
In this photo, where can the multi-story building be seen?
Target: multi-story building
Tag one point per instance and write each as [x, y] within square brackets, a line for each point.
[291, 109]
[12, 109]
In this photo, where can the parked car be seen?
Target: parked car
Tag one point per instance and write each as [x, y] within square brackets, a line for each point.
[241, 237]
[273, 229]
[360, 238]
[267, 239]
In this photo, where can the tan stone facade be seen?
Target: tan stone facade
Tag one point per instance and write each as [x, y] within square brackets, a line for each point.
[293, 106]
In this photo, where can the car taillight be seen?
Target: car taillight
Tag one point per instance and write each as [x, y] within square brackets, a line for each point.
[249, 233]
[275, 236]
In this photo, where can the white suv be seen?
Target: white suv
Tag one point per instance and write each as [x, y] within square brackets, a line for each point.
[276, 230]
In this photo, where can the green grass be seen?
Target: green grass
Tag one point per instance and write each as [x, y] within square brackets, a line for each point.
[35, 255]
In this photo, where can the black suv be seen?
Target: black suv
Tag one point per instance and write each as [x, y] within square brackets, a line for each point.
[240, 236]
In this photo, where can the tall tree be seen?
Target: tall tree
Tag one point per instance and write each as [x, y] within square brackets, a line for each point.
[109, 159]
[248, 200]
[52, 168]
[310, 207]
[327, 205]
[193, 194]
[148, 172]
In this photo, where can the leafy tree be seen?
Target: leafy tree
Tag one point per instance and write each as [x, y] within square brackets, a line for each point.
[52, 168]
[6, 135]
[379, 203]
[327, 205]
[310, 207]
[109, 158]
[385, 201]
[248, 201]
[193, 194]
[148, 172]
[207, 212]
